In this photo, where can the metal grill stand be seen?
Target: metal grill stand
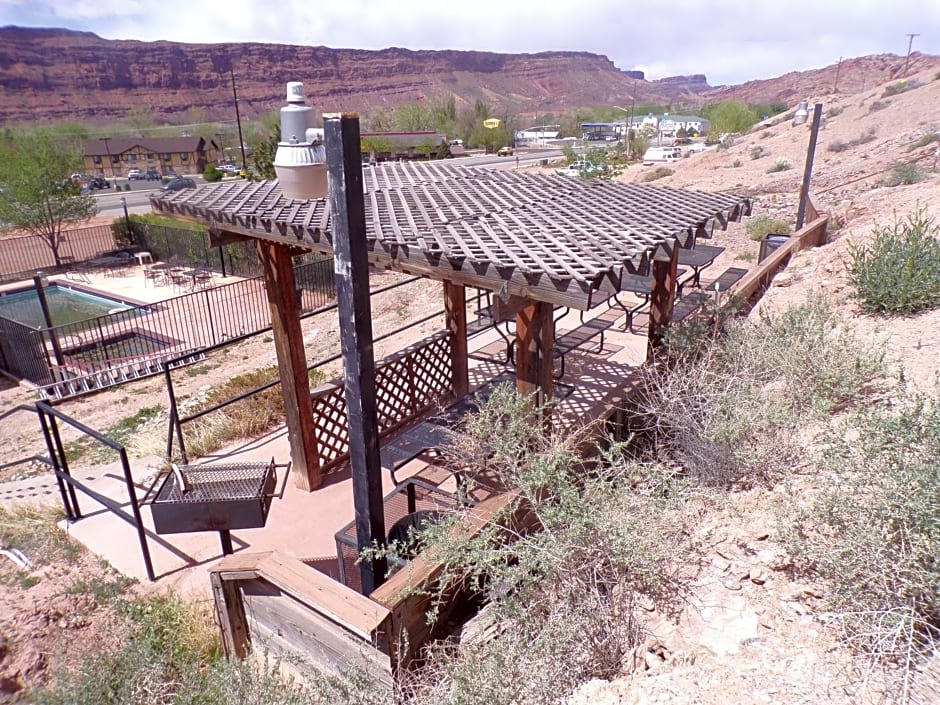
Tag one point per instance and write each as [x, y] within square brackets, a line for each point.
[219, 498]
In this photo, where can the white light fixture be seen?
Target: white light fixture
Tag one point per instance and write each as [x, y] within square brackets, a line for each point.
[300, 160]
[801, 114]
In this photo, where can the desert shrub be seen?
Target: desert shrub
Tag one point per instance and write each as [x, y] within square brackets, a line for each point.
[837, 146]
[725, 411]
[761, 225]
[757, 151]
[560, 600]
[898, 272]
[246, 418]
[835, 111]
[905, 174]
[737, 163]
[924, 140]
[659, 172]
[899, 87]
[780, 164]
[878, 105]
[874, 534]
[726, 143]
[211, 174]
[33, 530]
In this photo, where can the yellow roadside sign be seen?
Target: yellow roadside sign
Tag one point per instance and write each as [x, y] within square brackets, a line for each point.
[492, 123]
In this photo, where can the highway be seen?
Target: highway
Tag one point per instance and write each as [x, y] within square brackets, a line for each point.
[138, 200]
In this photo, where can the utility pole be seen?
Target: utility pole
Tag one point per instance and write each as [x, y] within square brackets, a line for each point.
[907, 60]
[835, 84]
[238, 119]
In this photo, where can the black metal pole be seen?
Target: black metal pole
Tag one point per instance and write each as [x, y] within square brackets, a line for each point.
[225, 538]
[351, 265]
[808, 171]
[238, 121]
[47, 317]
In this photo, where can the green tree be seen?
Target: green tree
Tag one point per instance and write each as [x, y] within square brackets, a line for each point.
[382, 120]
[263, 149]
[730, 116]
[36, 194]
[140, 119]
[413, 117]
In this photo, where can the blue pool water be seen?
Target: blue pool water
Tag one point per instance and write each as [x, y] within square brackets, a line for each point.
[66, 305]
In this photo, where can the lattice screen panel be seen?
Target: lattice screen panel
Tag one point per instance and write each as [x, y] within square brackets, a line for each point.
[406, 385]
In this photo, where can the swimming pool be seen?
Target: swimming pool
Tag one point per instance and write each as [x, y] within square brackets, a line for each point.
[67, 304]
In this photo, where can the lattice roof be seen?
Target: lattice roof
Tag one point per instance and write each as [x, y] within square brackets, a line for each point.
[551, 238]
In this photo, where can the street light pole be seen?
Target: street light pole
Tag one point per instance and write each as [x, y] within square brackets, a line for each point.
[221, 148]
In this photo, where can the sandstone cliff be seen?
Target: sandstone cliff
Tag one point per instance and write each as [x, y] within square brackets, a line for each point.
[57, 74]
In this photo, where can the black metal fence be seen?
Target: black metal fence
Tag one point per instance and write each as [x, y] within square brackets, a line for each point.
[164, 329]
[23, 352]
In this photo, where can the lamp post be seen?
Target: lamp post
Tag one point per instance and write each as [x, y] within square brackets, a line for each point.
[310, 167]
[39, 282]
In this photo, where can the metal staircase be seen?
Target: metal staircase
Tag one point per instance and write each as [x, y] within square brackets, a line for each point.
[71, 384]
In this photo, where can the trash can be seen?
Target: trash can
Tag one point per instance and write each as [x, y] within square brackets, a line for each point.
[770, 243]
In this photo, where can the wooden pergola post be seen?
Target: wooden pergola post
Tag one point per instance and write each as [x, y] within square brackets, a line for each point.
[535, 336]
[291, 362]
[455, 312]
[663, 293]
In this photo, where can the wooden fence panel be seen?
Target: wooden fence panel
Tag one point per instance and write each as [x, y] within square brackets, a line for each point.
[276, 603]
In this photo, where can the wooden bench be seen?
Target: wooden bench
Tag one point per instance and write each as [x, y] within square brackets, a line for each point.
[584, 333]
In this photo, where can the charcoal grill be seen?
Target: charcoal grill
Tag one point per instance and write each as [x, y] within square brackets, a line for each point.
[220, 497]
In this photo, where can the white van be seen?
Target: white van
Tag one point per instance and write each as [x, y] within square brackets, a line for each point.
[662, 155]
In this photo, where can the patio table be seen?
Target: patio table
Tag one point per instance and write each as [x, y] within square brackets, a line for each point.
[698, 259]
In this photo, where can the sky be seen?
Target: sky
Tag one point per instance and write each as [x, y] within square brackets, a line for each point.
[730, 41]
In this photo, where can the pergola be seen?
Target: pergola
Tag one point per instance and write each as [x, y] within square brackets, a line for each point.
[535, 240]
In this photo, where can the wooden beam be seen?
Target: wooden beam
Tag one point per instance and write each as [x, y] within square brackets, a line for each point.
[351, 263]
[455, 311]
[534, 360]
[291, 362]
[663, 296]
[230, 610]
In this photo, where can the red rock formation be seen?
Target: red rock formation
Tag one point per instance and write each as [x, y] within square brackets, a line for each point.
[57, 74]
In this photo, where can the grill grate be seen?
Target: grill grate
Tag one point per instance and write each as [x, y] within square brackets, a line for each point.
[216, 483]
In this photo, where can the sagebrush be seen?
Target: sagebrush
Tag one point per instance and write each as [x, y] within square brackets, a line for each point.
[898, 271]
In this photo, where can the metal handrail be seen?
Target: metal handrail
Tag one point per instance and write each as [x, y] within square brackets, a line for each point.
[48, 419]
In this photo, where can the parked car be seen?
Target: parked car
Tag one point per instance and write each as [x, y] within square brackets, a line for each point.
[662, 155]
[178, 184]
[227, 168]
[504, 152]
[581, 168]
[697, 147]
[152, 175]
[98, 182]
[134, 174]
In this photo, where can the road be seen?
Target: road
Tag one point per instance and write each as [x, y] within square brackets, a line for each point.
[138, 200]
